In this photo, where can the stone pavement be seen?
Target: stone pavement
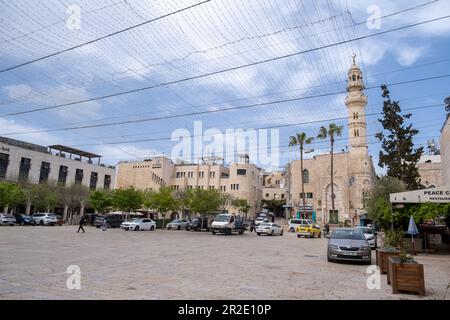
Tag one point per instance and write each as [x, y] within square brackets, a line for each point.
[162, 264]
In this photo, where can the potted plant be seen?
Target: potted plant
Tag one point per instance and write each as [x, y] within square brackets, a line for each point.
[390, 248]
[405, 274]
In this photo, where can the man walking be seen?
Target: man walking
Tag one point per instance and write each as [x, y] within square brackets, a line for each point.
[80, 225]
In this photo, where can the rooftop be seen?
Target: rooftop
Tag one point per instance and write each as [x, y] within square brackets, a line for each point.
[74, 151]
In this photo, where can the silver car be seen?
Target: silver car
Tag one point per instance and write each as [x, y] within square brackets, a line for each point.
[7, 219]
[349, 244]
[371, 236]
[177, 224]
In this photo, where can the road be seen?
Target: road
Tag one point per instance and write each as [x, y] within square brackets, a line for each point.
[162, 264]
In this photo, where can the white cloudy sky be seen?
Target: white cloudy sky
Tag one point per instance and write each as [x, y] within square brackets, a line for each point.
[214, 36]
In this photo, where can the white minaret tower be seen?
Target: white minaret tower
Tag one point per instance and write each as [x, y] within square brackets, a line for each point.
[360, 181]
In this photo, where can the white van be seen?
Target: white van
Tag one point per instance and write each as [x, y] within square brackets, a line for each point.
[294, 223]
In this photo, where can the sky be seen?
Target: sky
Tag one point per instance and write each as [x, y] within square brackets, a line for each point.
[181, 48]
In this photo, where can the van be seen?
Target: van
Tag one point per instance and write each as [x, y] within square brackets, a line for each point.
[294, 223]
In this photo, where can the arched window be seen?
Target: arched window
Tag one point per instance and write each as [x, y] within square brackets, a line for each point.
[356, 115]
[305, 176]
[354, 78]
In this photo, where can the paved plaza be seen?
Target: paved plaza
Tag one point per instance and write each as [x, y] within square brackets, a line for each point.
[162, 264]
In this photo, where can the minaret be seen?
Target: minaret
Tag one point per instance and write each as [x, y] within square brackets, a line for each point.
[360, 164]
[356, 103]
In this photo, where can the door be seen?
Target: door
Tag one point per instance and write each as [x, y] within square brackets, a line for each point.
[334, 217]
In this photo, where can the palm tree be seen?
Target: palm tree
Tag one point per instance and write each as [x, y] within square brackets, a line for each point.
[300, 139]
[331, 132]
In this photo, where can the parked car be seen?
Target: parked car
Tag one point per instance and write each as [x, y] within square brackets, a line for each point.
[261, 219]
[269, 229]
[126, 224]
[177, 224]
[294, 223]
[142, 224]
[7, 219]
[371, 236]
[227, 223]
[309, 230]
[112, 221]
[48, 219]
[348, 244]
[197, 224]
[25, 220]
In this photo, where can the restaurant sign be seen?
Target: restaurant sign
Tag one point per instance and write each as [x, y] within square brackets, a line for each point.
[434, 195]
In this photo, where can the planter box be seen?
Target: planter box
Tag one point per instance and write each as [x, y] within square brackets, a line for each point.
[382, 259]
[407, 276]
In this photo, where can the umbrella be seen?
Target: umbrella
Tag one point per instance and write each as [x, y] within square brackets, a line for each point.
[412, 230]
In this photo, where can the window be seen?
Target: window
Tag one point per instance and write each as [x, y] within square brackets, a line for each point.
[25, 165]
[45, 170]
[223, 188]
[4, 161]
[78, 176]
[356, 131]
[107, 182]
[235, 186]
[93, 182]
[178, 174]
[267, 195]
[309, 195]
[62, 176]
[190, 174]
[305, 176]
[201, 174]
[282, 196]
[241, 172]
[212, 174]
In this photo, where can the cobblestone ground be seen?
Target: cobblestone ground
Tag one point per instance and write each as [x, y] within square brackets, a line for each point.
[116, 264]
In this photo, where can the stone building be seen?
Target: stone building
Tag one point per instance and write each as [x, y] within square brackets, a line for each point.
[353, 170]
[430, 171]
[242, 179]
[445, 151]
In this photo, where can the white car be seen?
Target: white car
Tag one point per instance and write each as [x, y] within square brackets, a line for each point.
[260, 220]
[177, 224]
[294, 223]
[269, 228]
[126, 224]
[142, 224]
[7, 219]
[370, 235]
[48, 219]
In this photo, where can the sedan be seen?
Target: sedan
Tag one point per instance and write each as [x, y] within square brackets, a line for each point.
[7, 219]
[309, 230]
[177, 224]
[371, 236]
[142, 224]
[126, 224]
[24, 220]
[348, 244]
[269, 228]
[260, 220]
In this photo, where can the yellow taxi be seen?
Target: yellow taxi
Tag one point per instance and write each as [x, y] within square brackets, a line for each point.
[309, 230]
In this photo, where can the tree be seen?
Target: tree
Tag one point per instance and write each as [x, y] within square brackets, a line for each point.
[300, 140]
[331, 132]
[101, 200]
[74, 197]
[42, 196]
[127, 200]
[182, 199]
[163, 201]
[226, 200]
[398, 153]
[204, 201]
[10, 194]
[378, 205]
[242, 205]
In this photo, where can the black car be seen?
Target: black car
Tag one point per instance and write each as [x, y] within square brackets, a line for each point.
[196, 223]
[112, 221]
[24, 219]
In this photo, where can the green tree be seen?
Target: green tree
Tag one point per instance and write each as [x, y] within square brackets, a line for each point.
[226, 200]
[101, 200]
[182, 199]
[74, 197]
[331, 133]
[127, 200]
[10, 195]
[163, 201]
[300, 139]
[242, 205]
[398, 153]
[204, 201]
[378, 205]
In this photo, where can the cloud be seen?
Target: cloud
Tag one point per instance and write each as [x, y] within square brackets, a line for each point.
[407, 55]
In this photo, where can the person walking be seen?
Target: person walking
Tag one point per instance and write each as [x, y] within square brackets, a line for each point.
[253, 226]
[81, 224]
[104, 225]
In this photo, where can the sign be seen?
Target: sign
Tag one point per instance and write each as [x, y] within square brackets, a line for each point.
[434, 195]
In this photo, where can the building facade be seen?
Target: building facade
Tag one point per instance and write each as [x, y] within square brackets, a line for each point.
[445, 152]
[353, 171]
[31, 163]
[430, 171]
[242, 180]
